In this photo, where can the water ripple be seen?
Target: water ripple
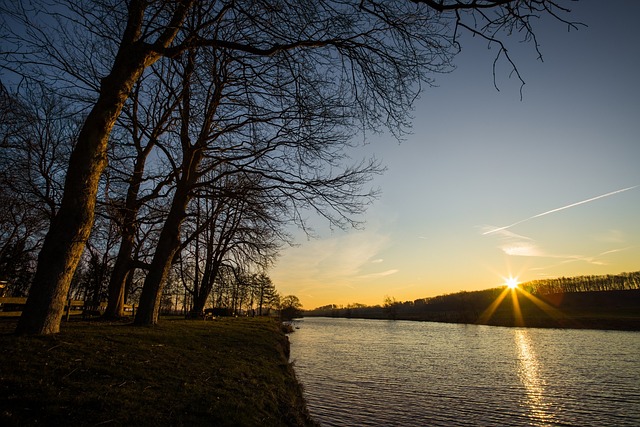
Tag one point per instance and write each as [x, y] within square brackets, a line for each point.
[378, 373]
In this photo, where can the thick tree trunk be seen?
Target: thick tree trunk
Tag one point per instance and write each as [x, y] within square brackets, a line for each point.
[70, 228]
[168, 243]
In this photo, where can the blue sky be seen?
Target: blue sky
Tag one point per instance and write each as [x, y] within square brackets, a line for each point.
[480, 159]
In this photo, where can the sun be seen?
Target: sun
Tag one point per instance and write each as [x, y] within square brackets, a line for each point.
[512, 282]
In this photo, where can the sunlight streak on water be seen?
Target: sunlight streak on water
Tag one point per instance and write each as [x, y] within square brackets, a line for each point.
[530, 377]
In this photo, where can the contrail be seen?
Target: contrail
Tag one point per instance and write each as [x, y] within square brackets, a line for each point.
[560, 209]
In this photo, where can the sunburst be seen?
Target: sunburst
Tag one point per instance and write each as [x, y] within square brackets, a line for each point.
[512, 282]
[512, 286]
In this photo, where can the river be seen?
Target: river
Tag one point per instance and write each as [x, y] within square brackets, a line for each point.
[398, 373]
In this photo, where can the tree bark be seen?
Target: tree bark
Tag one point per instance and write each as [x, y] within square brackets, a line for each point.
[122, 268]
[168, 243]
[200, 300]
[70, 228]
[121, 271]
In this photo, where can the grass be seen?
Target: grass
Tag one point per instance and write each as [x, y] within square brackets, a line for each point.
[227, 372]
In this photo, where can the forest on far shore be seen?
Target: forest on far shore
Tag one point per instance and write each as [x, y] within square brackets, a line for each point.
[598, 302]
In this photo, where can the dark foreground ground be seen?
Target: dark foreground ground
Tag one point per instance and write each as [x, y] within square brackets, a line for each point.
[226, 372]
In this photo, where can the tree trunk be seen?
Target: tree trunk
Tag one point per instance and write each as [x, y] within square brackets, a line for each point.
[117, 283]
[70, 228]
[166, 248]
[122, 268]
[168, 243]
[206, 286]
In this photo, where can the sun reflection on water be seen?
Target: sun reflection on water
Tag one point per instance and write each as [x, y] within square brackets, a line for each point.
[529, 374]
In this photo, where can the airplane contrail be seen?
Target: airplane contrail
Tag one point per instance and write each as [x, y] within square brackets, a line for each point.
[559, 209]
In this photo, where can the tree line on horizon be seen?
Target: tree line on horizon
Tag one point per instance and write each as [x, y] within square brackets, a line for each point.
[469, 305]
[152, 149]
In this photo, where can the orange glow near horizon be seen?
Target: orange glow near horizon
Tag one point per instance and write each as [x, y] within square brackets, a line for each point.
[511, 286]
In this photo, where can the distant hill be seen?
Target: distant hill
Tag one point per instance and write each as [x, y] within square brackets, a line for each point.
[594, 302]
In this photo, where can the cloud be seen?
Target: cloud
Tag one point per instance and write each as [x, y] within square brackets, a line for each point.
[380, 274]
[522, 250]
[592, 259]
[335, 261]
[515, 244]
[503, 233]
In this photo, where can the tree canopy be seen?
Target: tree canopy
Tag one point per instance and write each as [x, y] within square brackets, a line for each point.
[270, 93]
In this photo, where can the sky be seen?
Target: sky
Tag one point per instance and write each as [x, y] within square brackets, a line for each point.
[489, 185]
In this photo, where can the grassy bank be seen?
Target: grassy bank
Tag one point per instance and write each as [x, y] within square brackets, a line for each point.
[227, 372]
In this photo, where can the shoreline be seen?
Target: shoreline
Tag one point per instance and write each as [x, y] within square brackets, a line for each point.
[600, 310]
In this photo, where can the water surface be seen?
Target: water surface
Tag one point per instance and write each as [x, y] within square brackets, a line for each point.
[381, 373]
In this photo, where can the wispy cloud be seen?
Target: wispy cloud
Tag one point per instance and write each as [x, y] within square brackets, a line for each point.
[522, 250]
[582, 202]
[589, 259]
[380, 274]
[335, 261]
[515, 244]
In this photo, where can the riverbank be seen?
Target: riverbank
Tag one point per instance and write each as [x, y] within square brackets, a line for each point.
[227, 372]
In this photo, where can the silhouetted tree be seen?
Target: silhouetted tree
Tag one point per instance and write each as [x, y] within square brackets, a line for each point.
[143, 123]
[376, 53]
[391, 307]
[37, 130]
[290, 307]
[233, 223]
[266, 293]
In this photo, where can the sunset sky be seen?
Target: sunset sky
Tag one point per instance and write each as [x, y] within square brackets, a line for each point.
[489, 185]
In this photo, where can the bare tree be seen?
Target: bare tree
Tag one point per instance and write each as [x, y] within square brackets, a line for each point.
[148, 29]
[232, 226]
[378, 51]
[144, 121]
[37, 131]
[250, 115]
